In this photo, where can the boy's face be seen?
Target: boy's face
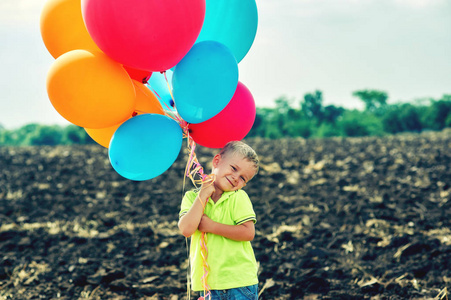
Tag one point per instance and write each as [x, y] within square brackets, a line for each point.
[232, 171]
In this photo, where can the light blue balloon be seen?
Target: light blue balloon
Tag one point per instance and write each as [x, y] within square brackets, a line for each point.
[158, 85]
[145, 146]
[232, 23]
[204, 81]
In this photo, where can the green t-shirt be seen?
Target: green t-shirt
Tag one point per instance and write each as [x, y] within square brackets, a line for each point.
[232, 263]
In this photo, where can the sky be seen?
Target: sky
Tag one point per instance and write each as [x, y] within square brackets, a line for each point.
[402, 47]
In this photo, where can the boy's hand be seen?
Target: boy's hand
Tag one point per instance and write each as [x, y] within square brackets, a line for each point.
[206, 224]
[206, 191]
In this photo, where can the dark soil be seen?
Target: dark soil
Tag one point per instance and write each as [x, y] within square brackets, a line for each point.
[362, 218]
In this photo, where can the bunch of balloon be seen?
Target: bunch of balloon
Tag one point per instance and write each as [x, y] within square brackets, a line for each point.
[105, 52]
[137, 74]
[206, 91]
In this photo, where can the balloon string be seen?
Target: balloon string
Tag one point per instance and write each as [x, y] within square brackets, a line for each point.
[167, 83]
[208, 179]
[193, 168]
[206, 267]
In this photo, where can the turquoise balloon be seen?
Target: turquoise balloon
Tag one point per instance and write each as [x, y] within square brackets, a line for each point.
[204, 81]
[159, 86]
[145, 146]
[232, 23]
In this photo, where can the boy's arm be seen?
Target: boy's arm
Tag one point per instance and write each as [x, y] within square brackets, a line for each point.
[242, 232]
[189, 222]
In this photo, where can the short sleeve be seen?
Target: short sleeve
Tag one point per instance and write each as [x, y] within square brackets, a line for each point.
[187, 202]
[242, 208]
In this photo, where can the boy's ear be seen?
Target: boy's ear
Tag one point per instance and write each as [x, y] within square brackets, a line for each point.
[216, 160]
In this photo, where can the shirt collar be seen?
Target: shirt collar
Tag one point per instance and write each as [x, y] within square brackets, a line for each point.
[224, 197]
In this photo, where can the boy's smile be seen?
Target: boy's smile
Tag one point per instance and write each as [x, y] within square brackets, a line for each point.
[230, 182]
[232, 172]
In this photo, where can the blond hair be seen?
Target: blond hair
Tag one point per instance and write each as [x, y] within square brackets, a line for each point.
[241, 148]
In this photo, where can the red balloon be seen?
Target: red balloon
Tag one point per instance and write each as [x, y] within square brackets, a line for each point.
[233, 123]
[152, 35]
[138, 75]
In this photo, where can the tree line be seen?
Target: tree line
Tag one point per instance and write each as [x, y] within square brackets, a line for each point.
[310, 119]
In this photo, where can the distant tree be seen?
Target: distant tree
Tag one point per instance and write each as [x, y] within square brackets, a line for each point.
[283, 105]
[436, 115]
[332, 113]
[410, 118]
[312, 105]
[264, 124]
[391, 121]
[5, 137]
[355, 123]
[402, 117]
[73, 134]
[291, 121]
[303, 128]
[327, 130]
[46, 135]
[279, 118]
[19, 136]
[373, 99]
[257, 127]
[448, 121]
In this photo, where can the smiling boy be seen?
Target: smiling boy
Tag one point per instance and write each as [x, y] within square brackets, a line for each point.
[229, 220]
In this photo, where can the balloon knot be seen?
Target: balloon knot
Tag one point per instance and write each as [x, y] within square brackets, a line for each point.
[145, 79]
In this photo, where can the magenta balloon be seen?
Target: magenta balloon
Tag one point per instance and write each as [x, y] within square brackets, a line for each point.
[152, 35]
[233, 123]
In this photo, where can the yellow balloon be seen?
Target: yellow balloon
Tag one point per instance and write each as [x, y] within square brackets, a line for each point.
[90, 89]
[146, 102]
[63, 28]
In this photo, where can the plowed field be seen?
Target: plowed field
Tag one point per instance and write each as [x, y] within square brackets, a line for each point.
[361, 218]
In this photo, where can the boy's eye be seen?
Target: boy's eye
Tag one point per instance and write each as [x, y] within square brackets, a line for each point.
[233, 168]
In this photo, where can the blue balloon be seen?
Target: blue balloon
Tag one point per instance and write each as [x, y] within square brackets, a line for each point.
[158, 85]
[204, 81]
[145, 146]
[232, 23]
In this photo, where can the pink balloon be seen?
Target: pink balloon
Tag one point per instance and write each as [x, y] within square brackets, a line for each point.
[231, 124]
[152, 35]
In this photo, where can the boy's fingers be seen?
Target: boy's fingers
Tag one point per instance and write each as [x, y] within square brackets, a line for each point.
[209, 179]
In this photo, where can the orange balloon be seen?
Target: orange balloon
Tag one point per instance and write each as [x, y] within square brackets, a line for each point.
[102, 136]
[146, 102]
[63, 28]
[90, 89]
